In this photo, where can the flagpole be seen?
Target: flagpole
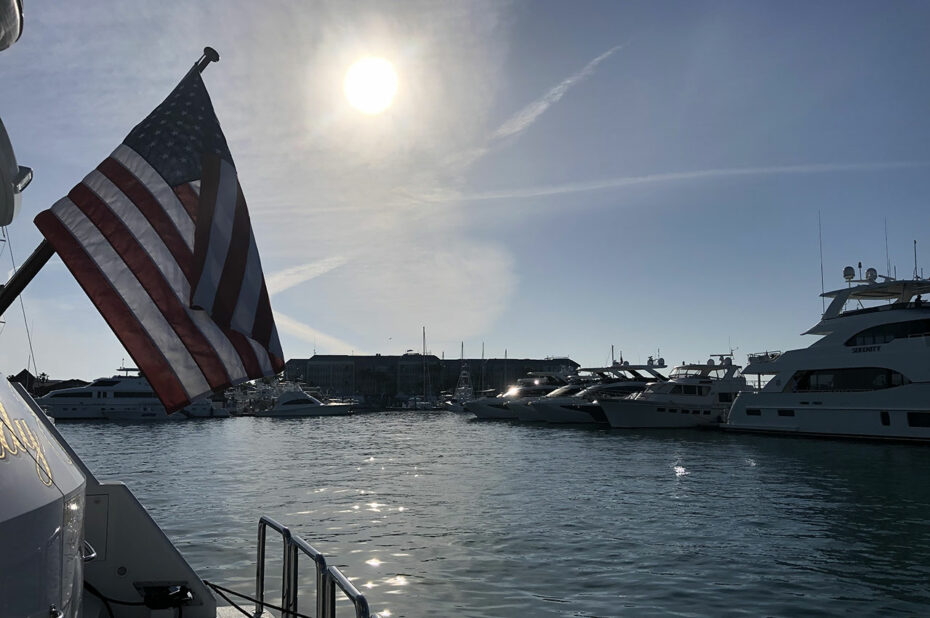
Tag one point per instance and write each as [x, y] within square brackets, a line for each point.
[44, 252]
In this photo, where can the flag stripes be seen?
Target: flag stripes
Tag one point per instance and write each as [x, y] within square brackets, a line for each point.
[134, 263]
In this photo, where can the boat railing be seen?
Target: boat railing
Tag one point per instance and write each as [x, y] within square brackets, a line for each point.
[327, 577]
[763, 357]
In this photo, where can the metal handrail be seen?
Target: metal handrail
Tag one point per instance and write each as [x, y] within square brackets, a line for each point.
[288, 578]
[336, 578]
[327, 577]
[321, 574]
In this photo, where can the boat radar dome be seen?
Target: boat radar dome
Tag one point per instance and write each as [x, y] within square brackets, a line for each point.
[871, 275]
[710, 362]
[661, 362]
[849, 273]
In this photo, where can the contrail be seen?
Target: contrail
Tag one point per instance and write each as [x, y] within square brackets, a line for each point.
[300, 330]
[289, 277]
[626, 181]
[526, 116]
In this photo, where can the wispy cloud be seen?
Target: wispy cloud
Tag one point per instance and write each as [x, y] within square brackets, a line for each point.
[626, 181]
[290, 277]
[309, 334]
[528, 115]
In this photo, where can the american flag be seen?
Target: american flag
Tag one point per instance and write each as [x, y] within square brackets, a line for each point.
[159, 237]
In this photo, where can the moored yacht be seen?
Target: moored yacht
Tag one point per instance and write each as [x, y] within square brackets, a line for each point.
[120, 398]
[618, 381]
[535, 385]
[866, 377]
[296, 403]
[694, 395]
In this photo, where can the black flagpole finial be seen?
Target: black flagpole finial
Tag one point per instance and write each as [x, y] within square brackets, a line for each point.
[209, 55]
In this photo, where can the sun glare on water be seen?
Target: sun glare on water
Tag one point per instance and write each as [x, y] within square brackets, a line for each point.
[370, 85]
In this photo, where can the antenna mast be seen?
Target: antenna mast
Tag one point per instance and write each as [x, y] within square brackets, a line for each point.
[823, 306]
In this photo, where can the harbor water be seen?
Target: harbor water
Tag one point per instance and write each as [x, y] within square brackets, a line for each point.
[436, 514]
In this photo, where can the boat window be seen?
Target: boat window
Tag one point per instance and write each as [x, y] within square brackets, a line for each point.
[786, 413]
[134, 394]
[847, 379]
[883, 333]
[725, 397]
[918, 419]
[85, 394]
[676, 389]
[753, 412]
[297, 402]
[106, 383]
[885, 419]
[689, 389]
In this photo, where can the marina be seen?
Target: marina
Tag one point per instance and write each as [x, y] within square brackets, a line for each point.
[439, 514]
[539, 177]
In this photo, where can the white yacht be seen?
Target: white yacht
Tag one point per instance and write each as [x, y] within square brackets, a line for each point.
[496, 408]
[866, 377]
[694, 395]
[618, 381]
[297, 403]
[120, 398]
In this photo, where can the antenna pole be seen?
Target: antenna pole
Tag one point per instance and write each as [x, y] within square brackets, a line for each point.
[915, 258]
[44, 252]
[887, 257]
[823, 306]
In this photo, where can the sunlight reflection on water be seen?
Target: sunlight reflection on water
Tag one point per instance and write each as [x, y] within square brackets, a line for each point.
[502, 519]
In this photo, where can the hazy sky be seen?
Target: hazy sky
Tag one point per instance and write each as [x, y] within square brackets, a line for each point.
[551, 179]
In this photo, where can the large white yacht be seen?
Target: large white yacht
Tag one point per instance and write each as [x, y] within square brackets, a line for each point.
[694, 395]
[536, 384]
[618, 381]
[866, 377]
[120, 398]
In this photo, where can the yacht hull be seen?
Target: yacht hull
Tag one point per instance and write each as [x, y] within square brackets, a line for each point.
[633, 414]
[492, 408]
[891, 414]
[569, 410]
[333, 409]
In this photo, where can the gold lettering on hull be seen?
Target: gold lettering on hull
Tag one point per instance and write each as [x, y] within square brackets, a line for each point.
[16, 437]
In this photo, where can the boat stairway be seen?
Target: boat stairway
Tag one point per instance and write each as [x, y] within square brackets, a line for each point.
[328, 579]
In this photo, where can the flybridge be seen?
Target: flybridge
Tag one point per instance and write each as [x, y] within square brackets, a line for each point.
[899, 291]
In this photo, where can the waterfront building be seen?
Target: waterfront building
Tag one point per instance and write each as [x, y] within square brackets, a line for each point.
[387, 380]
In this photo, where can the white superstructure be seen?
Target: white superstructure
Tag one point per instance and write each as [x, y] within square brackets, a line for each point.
[694, 395]
[868, 376]
[120, 398]
[536, 384]
[618, 381]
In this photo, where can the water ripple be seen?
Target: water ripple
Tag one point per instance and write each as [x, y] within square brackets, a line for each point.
[433, 514]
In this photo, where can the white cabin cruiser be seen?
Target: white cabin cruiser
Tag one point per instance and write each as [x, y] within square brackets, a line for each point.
[297, 403]
[694, 395]
[120, 398]
[618, 381]
[536, 384]
[866, 377]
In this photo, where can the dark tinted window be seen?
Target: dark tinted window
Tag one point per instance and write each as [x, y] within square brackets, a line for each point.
[86, 394]
[883, 333]
[135, 394]
[850, 379]
[918, 419]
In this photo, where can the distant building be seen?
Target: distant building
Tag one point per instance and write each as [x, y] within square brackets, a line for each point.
[387, 380]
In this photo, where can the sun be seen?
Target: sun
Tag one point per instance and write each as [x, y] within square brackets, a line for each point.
[370, 85]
